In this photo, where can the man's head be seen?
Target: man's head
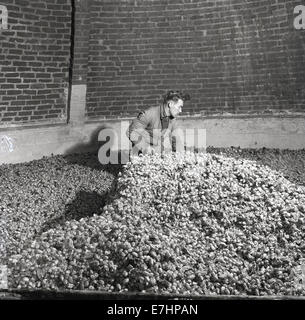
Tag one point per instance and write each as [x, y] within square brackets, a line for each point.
[174, 100]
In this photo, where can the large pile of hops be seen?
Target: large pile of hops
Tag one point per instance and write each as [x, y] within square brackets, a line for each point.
[40, 194]
[181, 223]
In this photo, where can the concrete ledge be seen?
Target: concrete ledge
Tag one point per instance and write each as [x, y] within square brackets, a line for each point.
[34, 143]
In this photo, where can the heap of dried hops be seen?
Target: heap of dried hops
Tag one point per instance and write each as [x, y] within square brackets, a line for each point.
[39, 194]
[182, 223]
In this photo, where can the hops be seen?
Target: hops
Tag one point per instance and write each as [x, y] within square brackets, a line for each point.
[184, 223]
[38, 195]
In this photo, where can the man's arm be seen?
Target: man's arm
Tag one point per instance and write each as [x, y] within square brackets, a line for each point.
[137, 129]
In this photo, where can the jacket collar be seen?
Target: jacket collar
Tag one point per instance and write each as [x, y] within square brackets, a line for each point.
[162, 111]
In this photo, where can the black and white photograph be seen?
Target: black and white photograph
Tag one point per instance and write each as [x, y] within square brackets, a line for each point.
[152, 150]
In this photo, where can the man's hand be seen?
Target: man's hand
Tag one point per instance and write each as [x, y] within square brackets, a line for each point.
[149, 150]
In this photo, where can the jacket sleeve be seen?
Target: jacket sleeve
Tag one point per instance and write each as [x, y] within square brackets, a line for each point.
[137, 129]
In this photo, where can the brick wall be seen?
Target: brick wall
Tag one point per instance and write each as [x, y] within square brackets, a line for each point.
[241, 56]
[34, 61]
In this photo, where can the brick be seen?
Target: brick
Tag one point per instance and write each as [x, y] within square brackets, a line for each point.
[42, 12]
[17, 103]
[45, 91]
[24, 34]
[13, 80]
[28, 58]
[34, 64]
[36, 117]
[11, 74]
[21, 119]
[52, 96]
[49, 81]
[25, 108]
[44, 107]
[38, 97]
[34, 102]
[14, 92]
[27, 75]
[6, 119]
[55, 111]
[19, 63]
[30, 80]
[40, 112]
[52, 70]
[30, 92]
[23, 97]
[51, 116]
[25, 113]
[15, 51]
[7, 86]
[8, 69]
[22, 69]
[22, 3]
[42, 75]
[36, 70]
[10, 114]
[38, 86]
[63, 19]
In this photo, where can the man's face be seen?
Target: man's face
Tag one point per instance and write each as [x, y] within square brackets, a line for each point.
[175, 107]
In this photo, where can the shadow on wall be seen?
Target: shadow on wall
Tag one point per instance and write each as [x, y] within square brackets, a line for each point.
[91, 146]
[87, 154]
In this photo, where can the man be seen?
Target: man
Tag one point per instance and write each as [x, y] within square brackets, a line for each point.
[155, 129]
